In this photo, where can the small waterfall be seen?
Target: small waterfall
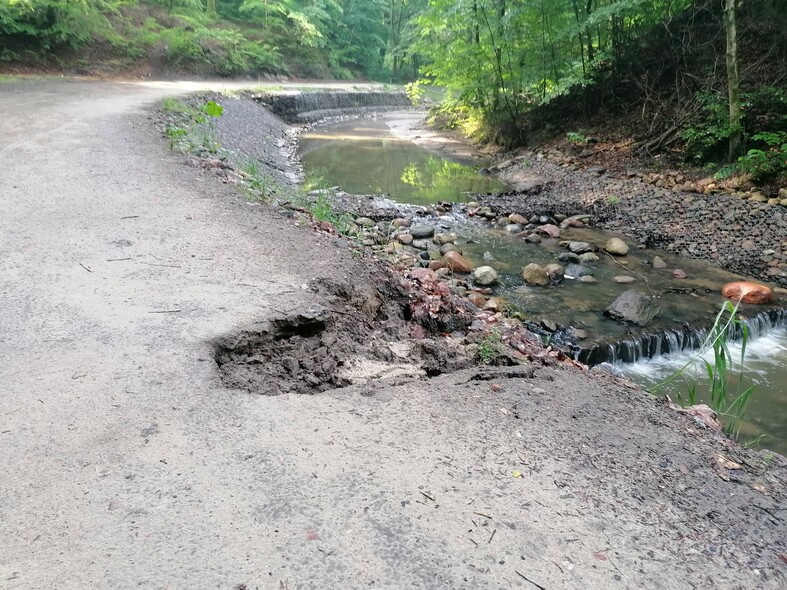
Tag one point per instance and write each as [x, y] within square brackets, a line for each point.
[673, 340]
[306, 107]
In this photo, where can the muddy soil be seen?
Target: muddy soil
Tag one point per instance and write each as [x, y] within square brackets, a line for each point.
[132, 464]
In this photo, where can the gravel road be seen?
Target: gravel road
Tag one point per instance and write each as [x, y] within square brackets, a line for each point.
[126, 464]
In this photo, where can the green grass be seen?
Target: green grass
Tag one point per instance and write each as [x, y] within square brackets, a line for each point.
[730, 405]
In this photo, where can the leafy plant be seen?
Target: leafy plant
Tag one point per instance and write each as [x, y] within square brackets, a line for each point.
[576, 138]
[768, 162]
[490, 346]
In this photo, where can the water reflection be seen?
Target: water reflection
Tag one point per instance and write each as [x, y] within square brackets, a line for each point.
[366, 159]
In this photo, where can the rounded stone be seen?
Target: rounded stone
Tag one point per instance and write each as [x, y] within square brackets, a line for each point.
[616, 247]
[485, 275]
[535, 274]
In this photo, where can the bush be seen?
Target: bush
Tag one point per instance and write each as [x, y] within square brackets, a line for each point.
[769, 162]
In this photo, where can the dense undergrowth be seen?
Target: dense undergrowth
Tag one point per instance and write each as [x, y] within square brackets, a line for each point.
[162, 37]
[650, 72]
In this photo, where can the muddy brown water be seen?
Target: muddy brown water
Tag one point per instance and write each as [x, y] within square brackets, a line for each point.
[364, 157]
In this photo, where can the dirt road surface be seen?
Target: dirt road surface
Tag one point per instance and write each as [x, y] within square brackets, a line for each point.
[126, 464]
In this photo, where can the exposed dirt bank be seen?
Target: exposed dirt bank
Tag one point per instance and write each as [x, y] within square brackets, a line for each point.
[131, 464]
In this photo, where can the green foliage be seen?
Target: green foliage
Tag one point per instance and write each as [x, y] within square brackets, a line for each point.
[576, 138]
[730, 405]
[490, 346]
[261, 186]
[708, 137]
[769, 162]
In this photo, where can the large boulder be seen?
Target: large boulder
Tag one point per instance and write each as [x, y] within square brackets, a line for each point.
[456, 262]
[633, 307]
[616, 247]
[535, 274]
[747, 292]
[485, 275]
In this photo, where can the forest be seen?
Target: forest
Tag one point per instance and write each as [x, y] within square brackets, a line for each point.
[706, 79]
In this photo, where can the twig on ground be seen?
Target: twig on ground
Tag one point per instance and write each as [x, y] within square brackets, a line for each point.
[524, 577]
[86, 268]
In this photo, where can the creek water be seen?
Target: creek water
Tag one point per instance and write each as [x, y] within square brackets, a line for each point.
[364, 157]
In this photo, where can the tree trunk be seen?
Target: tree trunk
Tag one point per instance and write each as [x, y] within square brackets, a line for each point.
[733, 81]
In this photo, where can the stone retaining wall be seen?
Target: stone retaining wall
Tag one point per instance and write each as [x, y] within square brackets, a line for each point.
[310, 106]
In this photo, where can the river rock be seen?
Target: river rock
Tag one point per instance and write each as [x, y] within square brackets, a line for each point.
[623, 279]
[587, 279]
[446, 248]
[588, 257]
[494, 304]
[616, 247]
[552, 231]
[568, 257]
[575, 271]
[405, 239]
[658, 262]
[488, 256]
[519, 219]
[679, 274]
[421, 244]
[513, 228]
[555, 272]
[477, 299]
[421, 232]
[633, 307]
[574, 221]
[485, 275]
[364, 221]
[443, 239]
[533, 239]
[457, 263]
[400, 222]
[747, 292]
[579, 247]
[535, 274]
[549, 325]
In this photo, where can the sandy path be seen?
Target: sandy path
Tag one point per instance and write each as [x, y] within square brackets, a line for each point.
[127, 466]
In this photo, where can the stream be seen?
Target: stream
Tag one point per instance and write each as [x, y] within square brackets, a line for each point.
[363, 156]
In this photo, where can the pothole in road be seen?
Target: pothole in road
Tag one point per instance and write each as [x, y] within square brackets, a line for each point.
[317, 349]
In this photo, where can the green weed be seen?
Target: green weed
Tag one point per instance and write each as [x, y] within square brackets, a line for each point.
[490, 346]
[730, 405]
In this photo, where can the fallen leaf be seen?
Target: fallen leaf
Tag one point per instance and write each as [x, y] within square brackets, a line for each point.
[760, 488]
[312, 535]
[495, 387]
[517, 474]
[600, 556]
